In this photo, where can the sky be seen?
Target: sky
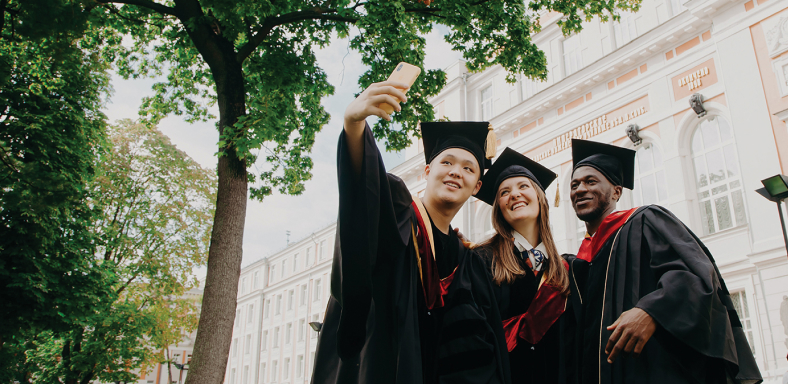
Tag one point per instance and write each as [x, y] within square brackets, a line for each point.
[316, 208]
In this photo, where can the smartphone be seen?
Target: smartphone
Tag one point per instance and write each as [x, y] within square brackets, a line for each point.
[403, 73]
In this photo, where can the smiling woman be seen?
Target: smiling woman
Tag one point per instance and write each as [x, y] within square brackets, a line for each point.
[531, 283]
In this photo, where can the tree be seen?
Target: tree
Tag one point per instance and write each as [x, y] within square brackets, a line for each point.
[254, 59]
[51, 127]
[153, 230]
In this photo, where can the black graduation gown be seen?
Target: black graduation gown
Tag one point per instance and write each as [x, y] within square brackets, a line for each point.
[377, 328]
[543, 362]
[657, 264]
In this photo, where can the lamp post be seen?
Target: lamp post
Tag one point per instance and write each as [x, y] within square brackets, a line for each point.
[316, 326]
[775, 189]
[181, 368]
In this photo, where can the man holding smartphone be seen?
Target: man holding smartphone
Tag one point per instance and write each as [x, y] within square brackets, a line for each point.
[409, 304]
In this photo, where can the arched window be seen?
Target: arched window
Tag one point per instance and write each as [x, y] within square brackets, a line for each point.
[717, 176]
[650, 186]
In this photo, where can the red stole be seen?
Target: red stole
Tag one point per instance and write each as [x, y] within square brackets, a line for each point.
[610, 225]
[435, 289]
[545, 309]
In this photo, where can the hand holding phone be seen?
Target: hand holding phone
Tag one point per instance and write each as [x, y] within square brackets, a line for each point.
[403, 73]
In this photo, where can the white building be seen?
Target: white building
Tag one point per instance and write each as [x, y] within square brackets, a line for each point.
[640, 72]
[277, 299]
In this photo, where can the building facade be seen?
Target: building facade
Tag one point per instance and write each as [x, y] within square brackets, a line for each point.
[277, 299]
[698, 88]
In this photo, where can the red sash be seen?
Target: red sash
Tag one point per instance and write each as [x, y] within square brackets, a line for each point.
[545, 309]
[435, 289]
[610, 225]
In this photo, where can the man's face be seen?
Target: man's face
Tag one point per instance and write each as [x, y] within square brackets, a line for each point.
[592, 194]
[453, 176]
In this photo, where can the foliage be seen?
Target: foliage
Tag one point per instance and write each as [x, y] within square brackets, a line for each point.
[153, 230]
[50, 131]
[272, 44]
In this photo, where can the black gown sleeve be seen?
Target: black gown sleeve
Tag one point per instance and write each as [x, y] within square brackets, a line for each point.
[373, 211]
[691, 301]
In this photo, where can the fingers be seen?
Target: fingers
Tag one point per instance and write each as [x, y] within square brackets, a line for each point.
[617, 348]
[639, 347]
[389, 90]
[385, 99]
[613, 340]
[395, 84]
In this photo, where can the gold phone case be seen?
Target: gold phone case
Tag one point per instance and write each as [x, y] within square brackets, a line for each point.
[403, 73]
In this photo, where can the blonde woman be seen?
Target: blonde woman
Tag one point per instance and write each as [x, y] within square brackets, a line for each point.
[530, 277]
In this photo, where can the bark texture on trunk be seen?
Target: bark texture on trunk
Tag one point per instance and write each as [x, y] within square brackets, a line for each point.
[214, 333]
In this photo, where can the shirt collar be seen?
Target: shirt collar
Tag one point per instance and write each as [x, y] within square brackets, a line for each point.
[523, 245]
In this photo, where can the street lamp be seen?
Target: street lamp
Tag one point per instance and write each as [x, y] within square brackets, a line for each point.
[181, 368]
[316, 326]
[775, 189]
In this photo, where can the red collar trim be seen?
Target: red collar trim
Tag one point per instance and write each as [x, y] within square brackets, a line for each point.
[433, 288]
[612, 223]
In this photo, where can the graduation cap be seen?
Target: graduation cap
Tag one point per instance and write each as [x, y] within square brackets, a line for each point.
[476, 137]
[512, 164]
[616, 163]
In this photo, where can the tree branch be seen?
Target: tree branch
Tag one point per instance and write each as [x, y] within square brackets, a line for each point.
[293, 17]
[145, 3]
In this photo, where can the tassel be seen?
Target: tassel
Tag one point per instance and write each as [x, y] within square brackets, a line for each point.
[491, 145]
[557, 194]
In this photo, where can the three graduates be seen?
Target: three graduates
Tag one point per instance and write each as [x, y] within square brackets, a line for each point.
[410, 304]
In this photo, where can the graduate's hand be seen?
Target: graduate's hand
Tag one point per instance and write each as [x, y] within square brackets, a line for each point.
[366, 104]
[630, 333]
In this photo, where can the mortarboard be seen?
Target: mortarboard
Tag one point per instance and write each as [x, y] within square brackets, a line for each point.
[512, 164]
[476, 137]
[616, 163]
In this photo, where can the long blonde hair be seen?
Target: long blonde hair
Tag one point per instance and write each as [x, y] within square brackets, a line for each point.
[505, 264]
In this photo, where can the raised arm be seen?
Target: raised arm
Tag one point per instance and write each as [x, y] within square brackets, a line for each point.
[366, 104]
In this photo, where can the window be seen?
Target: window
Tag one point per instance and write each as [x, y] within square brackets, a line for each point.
[625, 29]
[246, 375]
[262, 372]
[273, 274]
[288, 332]
[267, 308]
[650, 185]
[290, 299]
[301, 329]
[677, 6]
[717, 176]
[265, 341]
[274, 370]
[486, 104]
[295, 262]
[303, 294]
[256, 279]
[238, 318]
[232, 376]
[308, 257]
[278, 304]
[312, 359]
[248, 344]
[573, 54]
[299, 365]
[322, 249]
[286, 369]
[244, 288]
[317, 290]
[740, 303]
[284, 267]
[250, 315]
[276, 337]
[529, 88]
[235, 347]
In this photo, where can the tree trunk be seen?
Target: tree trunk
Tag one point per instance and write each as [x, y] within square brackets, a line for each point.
[214, 333]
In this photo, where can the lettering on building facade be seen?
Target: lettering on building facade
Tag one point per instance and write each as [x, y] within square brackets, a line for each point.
[588, 130]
